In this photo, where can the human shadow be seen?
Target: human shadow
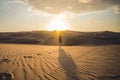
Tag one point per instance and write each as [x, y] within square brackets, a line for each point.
[67, 63]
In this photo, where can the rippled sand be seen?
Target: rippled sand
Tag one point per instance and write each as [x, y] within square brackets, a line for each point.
[39, 62]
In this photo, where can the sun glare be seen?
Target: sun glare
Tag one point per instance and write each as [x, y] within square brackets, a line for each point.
[58, 24]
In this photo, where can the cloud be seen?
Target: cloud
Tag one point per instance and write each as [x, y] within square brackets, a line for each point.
[116, 9]
[75, 6]
[84, 1]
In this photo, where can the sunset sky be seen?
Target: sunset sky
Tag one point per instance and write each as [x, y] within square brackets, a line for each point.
[80, 15]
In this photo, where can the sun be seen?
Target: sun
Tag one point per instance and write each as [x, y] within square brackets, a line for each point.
[58, 23]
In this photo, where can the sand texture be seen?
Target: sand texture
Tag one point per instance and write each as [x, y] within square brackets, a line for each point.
[39, 62]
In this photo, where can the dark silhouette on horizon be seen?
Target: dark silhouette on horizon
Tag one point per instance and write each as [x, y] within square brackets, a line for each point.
[60, 38]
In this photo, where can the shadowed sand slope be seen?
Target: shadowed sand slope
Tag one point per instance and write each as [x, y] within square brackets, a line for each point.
[68, 38]
[35, 62]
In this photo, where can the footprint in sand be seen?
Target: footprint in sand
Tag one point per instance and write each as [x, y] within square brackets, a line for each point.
[6, 76]
[39, 54]
[28, 56]
[5, 60]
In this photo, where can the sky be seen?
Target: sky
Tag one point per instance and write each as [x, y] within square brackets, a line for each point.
[78, 15]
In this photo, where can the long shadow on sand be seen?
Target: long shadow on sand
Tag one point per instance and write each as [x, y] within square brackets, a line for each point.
[68, 65]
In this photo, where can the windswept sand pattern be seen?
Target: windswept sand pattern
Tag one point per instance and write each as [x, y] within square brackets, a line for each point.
[38, 62]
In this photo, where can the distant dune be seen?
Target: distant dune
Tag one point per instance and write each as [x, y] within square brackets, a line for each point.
[69, 38]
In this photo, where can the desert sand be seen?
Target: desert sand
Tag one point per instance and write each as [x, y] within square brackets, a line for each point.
[40, 62]
[68, 38]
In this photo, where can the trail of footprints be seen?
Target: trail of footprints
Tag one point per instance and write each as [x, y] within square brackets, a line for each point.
[32, 67]
[40, 65]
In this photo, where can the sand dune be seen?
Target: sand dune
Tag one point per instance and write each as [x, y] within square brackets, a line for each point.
[38, 62]
[68, 38]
